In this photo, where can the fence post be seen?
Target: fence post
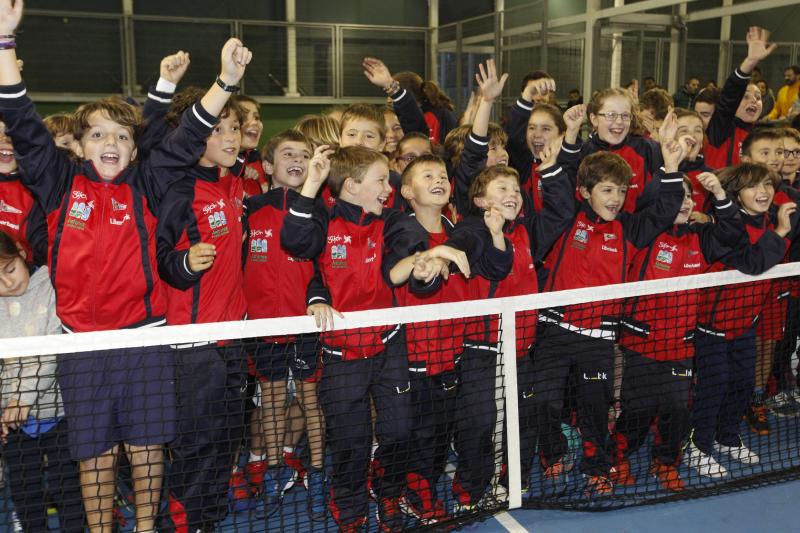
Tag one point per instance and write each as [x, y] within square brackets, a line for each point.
[507, 383]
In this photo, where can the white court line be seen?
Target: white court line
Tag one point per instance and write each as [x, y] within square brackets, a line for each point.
[510, 523]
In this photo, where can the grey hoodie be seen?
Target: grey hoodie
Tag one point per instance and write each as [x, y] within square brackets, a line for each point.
[31, 380]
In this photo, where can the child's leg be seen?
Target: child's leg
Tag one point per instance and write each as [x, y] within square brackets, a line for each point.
[98, 484]
[595, 368]
[741, 361]
[640, 399]
[787, 345]
[765, 352]
[552, 358]
[673, 424]
[314, 422]
[711, 363]
[527, 414]
[344, 395]
[23, 457]
[64, 481]
[473, 433]
[147, 471]
[391, 392]
[272, 364]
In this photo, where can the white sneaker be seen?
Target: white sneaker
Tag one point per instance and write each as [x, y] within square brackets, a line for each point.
[741, 453]
[704, 463]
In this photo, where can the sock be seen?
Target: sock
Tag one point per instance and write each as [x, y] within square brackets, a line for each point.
[255, 457]
[288, 450]
[758, 396]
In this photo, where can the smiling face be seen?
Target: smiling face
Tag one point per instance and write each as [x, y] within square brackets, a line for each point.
[410, 150]
[768, 152]
[757, 199]
[504, 193]
[359, 131]
[690, 135]
[372, 191]
[606, 198]
[14, 276]
[686, 206]
[791, 157]
[705, 110]
[429, 186]
[290, 165]
[542, 130]
[613, 132]
[497, 154]
[107, 144]
[222, 146]
[8, 163]
[252, 127]
[394, 131]
[750, 107]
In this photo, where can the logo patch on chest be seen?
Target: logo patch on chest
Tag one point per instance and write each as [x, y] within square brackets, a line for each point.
[339, 256]
[580, 239]
[79, 213]
[664, 260]
[218, 224]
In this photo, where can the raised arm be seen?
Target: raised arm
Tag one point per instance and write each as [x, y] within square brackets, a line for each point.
[405, 106]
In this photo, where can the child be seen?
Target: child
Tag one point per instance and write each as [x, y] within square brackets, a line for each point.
[255, 181]
[20, 215]
[657, 335]
[406, 112]
[653, 108]
[319, 130]
[725, 340]
[435, 104]
[739, 105]
[33, 426]
[765, 145]
[394, 131]
[690, 134]
[612, 117]
[528, 236]
[272, 279]
[63, 129]
[100, 251]
[199, 251]
[370, 362]
[530, 128]
[409, 148]
[596, 250]
[705, 103]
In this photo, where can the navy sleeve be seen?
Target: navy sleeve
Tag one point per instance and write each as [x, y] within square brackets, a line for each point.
[402, 236]
[643, 226]
[177, 151]
[154, 113]
[569, 158]
[759, 257]
[722, 124]
[473, 161]
[558, 211]
[317, 292]
[473, 238]
[36, 234]
[516, 127]
[726, 232]
[409, 113]
[173, 221]
[45, 170]
[304, 232]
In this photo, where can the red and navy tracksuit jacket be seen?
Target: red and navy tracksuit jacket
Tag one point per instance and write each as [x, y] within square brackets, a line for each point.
[409, 113]
[662, 326]
[440, 121]
[519, 155]
[349, 245]
[702, 199]
[250, 159]
[728, 311]
[725, 132]
[433, 346]
[200, 208]
[529, 238]
[22, 218]
[101, 234]
[643, 155]
[595, 252]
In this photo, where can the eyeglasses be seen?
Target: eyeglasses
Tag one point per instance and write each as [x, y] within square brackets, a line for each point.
[612, 117]
[788, 154]
[407, 158]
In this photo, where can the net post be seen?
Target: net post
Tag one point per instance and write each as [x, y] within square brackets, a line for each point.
[507, 362]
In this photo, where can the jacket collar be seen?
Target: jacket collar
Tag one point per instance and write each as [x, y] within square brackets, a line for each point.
[352, 213]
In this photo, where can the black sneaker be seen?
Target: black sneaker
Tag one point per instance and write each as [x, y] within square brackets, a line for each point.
[390, 515]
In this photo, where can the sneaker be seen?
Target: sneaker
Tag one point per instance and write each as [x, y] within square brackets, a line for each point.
[704, 463]
[757, 419]
[390, 515]
[597, 486]
[255, 476]
[293, 459]
[783, 404]
[239, 493]
[315, 492]
[741, 453]
[277, 481]
[667, 475]
[353, 527]
[620, 475]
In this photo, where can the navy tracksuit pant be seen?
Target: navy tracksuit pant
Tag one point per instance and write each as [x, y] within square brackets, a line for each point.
[725, 381]
[650, 389]
[25, 458]
[211, 384]
[344, 393]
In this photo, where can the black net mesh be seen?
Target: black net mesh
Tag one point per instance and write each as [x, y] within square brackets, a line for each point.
[620, 402]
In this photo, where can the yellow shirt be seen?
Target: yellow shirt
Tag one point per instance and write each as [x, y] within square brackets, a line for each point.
[786, 96]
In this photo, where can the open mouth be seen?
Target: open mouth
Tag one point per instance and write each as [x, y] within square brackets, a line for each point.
[763, 201]
[295, 171]
[751, 109]
[109, 158]
[503, 161]
[230, 151]
[537, 146]
[510, 204]
[254, 133]
[617, 131]
[6, 156]
[613, 209]
[438, 191]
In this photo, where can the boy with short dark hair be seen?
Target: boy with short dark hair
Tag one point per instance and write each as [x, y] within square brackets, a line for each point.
[349, 243]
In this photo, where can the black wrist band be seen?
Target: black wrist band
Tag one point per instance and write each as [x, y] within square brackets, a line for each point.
[225, 87]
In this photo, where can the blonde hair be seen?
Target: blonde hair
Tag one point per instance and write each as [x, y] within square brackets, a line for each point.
[351, 162]
[319, 129]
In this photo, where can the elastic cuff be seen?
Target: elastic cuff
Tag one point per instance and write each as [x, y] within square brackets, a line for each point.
[202, 116]
[524, 104]
[302, 206]
[10, 92]
[481, 140]
[165, 86]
